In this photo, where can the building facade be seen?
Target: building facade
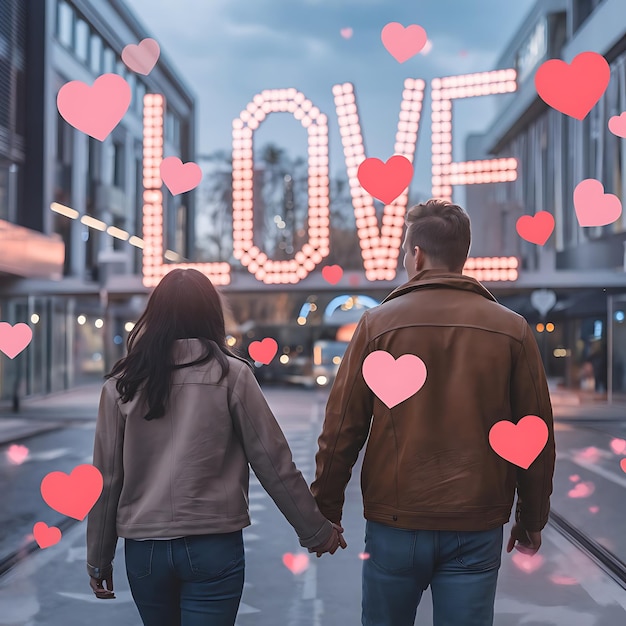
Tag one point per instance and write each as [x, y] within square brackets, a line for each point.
[584, 267]
[80, 196]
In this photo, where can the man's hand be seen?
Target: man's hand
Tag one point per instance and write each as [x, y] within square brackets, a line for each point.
[97, 587]
[333, 542]
[528, 542]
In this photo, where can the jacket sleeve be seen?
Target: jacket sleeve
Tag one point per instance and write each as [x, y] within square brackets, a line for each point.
[530, 396]
[346, 426]
[108, 458]
[269, 455]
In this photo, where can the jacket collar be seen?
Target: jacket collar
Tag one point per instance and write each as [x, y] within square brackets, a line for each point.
[187, 350]
[433, 279]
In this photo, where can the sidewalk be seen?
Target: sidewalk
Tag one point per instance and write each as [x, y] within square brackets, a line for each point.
[38, 415]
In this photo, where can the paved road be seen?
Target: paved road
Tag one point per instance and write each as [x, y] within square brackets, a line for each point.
[560, 586]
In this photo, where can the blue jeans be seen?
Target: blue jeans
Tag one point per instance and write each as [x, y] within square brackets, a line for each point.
[460, 567]
[191, 581]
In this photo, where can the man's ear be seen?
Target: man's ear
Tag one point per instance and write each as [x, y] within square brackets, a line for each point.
[419, 258]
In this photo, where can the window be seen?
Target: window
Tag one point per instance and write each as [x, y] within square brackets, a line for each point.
[109, 61]
[582, 10]
[95, 55]
[118, 165]
[120, 68]
[140, 92]
[65, 24]
[82, 40]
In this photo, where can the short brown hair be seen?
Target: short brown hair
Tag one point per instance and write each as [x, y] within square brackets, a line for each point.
[441, 230]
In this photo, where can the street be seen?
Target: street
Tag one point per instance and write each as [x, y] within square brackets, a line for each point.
[559, 586]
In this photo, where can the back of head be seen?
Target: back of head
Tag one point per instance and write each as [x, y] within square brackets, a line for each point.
[185, 304]
[442, 231]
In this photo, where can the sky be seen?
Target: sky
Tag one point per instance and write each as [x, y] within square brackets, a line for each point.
[227, 51]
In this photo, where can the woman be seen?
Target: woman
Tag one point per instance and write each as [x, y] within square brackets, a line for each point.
[180, 419]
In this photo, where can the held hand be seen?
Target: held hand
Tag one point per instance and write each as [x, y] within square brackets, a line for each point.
[332, 543]
[528, 542]
[97, 587]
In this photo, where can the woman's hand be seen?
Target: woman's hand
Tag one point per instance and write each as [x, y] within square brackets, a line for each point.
[97, 587]
[332, 543]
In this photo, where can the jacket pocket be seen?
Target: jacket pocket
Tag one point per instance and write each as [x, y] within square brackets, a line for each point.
[480, 551]
[212, 556]
[138, 557]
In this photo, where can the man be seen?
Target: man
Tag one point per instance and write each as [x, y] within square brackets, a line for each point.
[436, 495]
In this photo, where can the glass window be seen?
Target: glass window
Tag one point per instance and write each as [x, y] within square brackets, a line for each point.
[65, 24]
[95, 56]
[140, 92]
[118, 165]
[82, 40]
[109, 61]
[120, 68]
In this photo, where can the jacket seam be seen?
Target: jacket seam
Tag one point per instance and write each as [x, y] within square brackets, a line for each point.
[412, 325]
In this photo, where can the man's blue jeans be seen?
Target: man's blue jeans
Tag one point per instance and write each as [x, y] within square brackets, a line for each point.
[192, 581]
[460, 567]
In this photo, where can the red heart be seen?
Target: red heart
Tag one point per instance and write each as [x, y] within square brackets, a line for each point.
[385, 181]
[519, 443]
[332, 274]
[45, 535]
[73, 495]
[179, 177]
[622, 464]
[263, 351]
[296, 563]
[535, 228]
[95, 110]
[573, 89]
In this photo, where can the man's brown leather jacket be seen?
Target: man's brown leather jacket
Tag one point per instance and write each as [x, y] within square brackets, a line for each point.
[428, 462]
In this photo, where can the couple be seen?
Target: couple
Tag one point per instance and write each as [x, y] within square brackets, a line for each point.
[181, 419]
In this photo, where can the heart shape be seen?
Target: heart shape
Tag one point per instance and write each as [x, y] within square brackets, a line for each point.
[594, 509]
[17, 454]
[573, 89]
[527, 563]
[364, 556]
[618, 446]
[385, 181]
[617, 125]
[73, 495]
[14, 339]
[593, 206]
[332, 274]
[574, 478]
[296, 563]
[582, 490]
[346, 33]
[403, 43]
[45, 535]
[95, 110]
[622, 464]
[393, 380]
[535, 228]
[141, 58]
[263, 351]
[179, 177]
[519, 443]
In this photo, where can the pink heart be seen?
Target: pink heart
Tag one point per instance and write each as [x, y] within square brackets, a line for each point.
[17, 454]
[527, 563]
[617, 125]
[296, 563]
[14, 339]
[141, 58]
[385, 181]
[364, 556]
[95, 110]
[519, 443]
[574, 478]
[263, 351]
[45, 535]
[581, 490]
[179, 178]
[332, 274]
[618, 446]
[594, 509]
[535, 228]
[346, 33]
[403, 43]
[393, 380]
[593, 206]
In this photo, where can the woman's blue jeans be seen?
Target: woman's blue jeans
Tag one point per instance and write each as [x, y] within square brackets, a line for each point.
[460, 567]
[192, 581]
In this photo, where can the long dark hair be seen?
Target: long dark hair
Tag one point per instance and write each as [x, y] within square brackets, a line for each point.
[184, 304]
